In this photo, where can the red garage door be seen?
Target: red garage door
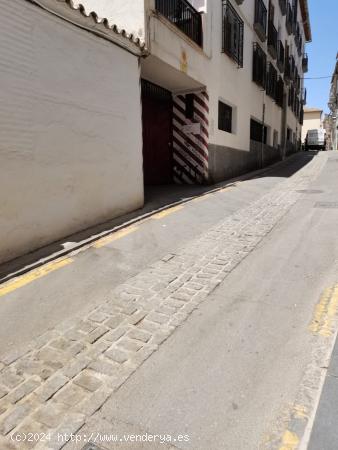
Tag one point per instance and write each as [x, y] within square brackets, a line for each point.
[157, 134]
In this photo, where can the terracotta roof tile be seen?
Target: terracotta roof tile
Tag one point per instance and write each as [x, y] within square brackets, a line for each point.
[71, 11]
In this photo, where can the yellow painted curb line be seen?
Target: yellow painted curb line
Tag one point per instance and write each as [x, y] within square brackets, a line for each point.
[114, 236]
[33, 275]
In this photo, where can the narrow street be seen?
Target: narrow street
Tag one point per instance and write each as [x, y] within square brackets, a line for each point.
[168, 225]
[211, 323]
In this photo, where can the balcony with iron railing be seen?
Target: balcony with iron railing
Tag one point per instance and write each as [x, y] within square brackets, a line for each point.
[305, 63]
[260, 19]
[280, 56]
[184, 16]
[289, 18]
[272, 40]
[282, 5]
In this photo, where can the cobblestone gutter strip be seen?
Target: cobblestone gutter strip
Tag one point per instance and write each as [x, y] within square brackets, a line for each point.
[66, 375]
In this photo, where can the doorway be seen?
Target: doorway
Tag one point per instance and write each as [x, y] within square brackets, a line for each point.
[157, 110]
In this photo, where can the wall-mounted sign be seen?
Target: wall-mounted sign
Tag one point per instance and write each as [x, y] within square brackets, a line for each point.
[193, 128]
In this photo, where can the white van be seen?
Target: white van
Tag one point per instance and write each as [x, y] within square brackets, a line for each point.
[315, 139]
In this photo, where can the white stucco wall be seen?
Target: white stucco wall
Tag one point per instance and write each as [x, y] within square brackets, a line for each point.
[312, 121]
[126, 14]
[70, 129]
[220, 74]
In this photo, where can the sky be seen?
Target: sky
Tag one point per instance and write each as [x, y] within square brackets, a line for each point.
[322, 51]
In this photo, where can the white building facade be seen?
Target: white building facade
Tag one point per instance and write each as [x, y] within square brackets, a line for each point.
[313, 119]
[70, 128]
[220, 78]
[333, 105]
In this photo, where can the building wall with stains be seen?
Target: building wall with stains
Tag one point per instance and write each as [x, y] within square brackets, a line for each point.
[180, 65]
[312, 120]
[128, 15]
[70, 129]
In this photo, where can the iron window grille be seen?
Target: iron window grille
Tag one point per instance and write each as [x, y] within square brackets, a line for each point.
[260, 19]
[305, 63]
[233, 33]
[298, 82]
[257, 133]
[293, 68]
[287, 70]
[298, 40]
[280, 92]
[294, 13]
[291, 97]
[290, 68]
[224, 117]
[289, 18]
[303, 96]
[297, 106]
[271, 84]
[282, 5]
[259, 66]
[182, 14]
[280, 56]
[272, 40]
[300, 46]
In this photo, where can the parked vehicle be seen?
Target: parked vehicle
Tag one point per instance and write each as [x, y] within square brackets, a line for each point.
[315, 139]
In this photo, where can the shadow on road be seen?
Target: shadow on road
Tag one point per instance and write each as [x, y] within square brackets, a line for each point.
[156, 197]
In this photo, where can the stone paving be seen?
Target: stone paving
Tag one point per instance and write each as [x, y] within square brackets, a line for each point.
[58, 381]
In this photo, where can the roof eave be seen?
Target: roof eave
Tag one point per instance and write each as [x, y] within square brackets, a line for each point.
[306, 20]
[77, 15]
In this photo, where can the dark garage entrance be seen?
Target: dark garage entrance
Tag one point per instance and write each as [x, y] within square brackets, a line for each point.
[157, 134]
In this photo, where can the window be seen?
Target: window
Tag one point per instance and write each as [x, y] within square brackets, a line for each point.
[288, 134]
[275, 138]
[282, 4]
[189, 106]
[256, 131]
[272, 79]
[291, 100]
[233, 33]
[271, 11]
[280, 56]
[272, 32]
[224, 117]
[259, 66]
[280, 92]
[260, 19]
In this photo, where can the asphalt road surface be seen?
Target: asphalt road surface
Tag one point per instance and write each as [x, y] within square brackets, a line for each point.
[252, 367]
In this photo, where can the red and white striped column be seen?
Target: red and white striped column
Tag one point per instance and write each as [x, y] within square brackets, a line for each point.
[191, 139]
